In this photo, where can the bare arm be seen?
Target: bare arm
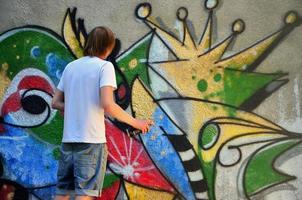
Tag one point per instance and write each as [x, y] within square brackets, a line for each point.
[114, 110]
[58, 101]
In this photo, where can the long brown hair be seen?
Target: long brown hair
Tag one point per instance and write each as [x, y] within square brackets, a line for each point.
[99, 40]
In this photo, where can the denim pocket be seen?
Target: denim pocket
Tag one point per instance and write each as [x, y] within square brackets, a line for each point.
[85, 160]
[85, 168]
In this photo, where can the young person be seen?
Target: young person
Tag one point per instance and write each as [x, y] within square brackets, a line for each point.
[84, 94]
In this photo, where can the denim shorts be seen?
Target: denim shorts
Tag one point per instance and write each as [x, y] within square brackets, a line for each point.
[81, 169]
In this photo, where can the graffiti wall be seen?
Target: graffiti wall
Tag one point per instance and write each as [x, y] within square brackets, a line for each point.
[211, 139]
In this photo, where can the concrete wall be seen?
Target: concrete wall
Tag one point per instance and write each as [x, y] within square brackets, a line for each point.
[221, 79]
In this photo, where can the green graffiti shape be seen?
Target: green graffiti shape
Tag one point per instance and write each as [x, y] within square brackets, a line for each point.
[16, 46]
[240, 86]
[134, 61]
[109, 180]
[52, 132]
[260, 173]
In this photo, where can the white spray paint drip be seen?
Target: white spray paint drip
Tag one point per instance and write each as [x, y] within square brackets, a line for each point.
[179, 27]
[281, 111]
[297, 98]
[294, 124]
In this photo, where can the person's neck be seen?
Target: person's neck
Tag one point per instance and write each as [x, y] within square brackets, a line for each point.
[103, 57]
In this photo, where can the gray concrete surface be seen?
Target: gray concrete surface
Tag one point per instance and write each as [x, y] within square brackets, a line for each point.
[261, 17]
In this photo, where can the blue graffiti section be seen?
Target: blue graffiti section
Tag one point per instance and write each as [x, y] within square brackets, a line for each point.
[35, 52]
[164, 155]
[55, 66]
[28, 161]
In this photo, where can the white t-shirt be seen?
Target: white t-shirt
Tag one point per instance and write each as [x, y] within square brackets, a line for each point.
[83, 115]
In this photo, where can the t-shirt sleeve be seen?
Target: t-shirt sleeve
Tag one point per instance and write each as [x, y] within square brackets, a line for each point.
[61, 83]
[107, 76]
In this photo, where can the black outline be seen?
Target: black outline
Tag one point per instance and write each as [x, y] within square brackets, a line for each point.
[123, 183]
[76, 30]
[146, 4]
[243, 26]
[275, 140]
[124, 103]
[209, 20]
[184, 9]
[219, 103]
[186, 28]
[231, 39]
[217, 158]
[154, 101]
[282, 33]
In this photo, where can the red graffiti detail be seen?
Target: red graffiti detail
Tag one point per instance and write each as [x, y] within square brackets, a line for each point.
[128, 157]
[35, 82]
[11, 104]
[121, 91]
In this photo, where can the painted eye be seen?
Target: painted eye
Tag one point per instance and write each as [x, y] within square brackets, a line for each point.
[34, 104]
[208, 135]
[34, 109]
[27, 101]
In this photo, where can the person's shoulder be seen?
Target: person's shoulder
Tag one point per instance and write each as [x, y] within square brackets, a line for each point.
[79, 59]
[105, 63]
[75, 62]
[97, 62]
[108, 63]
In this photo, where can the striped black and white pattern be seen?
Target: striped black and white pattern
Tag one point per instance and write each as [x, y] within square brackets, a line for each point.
[191, 164]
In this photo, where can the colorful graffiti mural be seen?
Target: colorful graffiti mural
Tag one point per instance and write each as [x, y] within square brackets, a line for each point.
[206, 141]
